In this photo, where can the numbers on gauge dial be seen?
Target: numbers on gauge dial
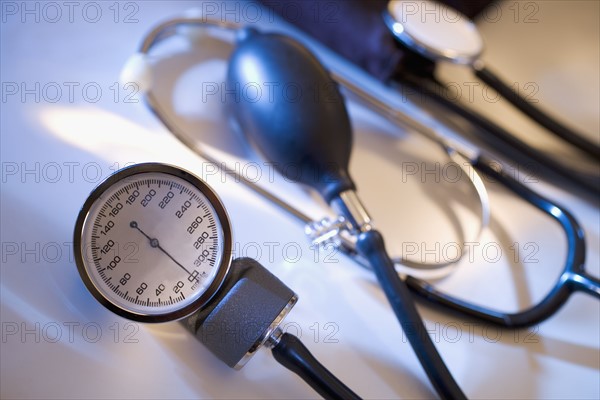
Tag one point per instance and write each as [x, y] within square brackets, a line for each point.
[155, 242]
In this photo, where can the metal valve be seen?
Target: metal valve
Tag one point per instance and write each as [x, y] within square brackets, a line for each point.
[326, 231]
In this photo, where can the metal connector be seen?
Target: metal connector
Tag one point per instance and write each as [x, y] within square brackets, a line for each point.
[326, 231]
[274, 339]
[349, 205]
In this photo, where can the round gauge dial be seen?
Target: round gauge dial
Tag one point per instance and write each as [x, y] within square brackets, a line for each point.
[153, 243]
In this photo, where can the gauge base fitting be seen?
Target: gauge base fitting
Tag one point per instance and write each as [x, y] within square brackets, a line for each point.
[244, 313]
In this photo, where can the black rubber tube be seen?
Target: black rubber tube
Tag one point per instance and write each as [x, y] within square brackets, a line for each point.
[550, 166]
[572, 278]
[292, 354]
[371, 246]
[533, 112]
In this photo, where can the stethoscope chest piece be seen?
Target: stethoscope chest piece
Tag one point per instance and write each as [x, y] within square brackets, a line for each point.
[434, 30]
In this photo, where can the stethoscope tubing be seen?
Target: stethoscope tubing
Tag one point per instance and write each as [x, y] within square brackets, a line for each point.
[543, 162]
[572, 279]
[570, 136]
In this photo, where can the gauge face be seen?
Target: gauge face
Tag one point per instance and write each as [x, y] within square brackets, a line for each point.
[153, 243]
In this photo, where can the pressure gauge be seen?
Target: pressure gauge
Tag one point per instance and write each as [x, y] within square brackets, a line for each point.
[153, 243]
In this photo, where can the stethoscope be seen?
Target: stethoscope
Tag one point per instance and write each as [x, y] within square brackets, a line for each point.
[453, 37]
[329, 165]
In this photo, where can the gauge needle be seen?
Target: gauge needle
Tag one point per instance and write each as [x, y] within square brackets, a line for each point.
[155, 243]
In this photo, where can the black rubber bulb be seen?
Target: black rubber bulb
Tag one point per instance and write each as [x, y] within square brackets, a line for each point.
[287, 105]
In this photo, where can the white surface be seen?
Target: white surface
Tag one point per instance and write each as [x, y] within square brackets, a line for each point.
[342, 315]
